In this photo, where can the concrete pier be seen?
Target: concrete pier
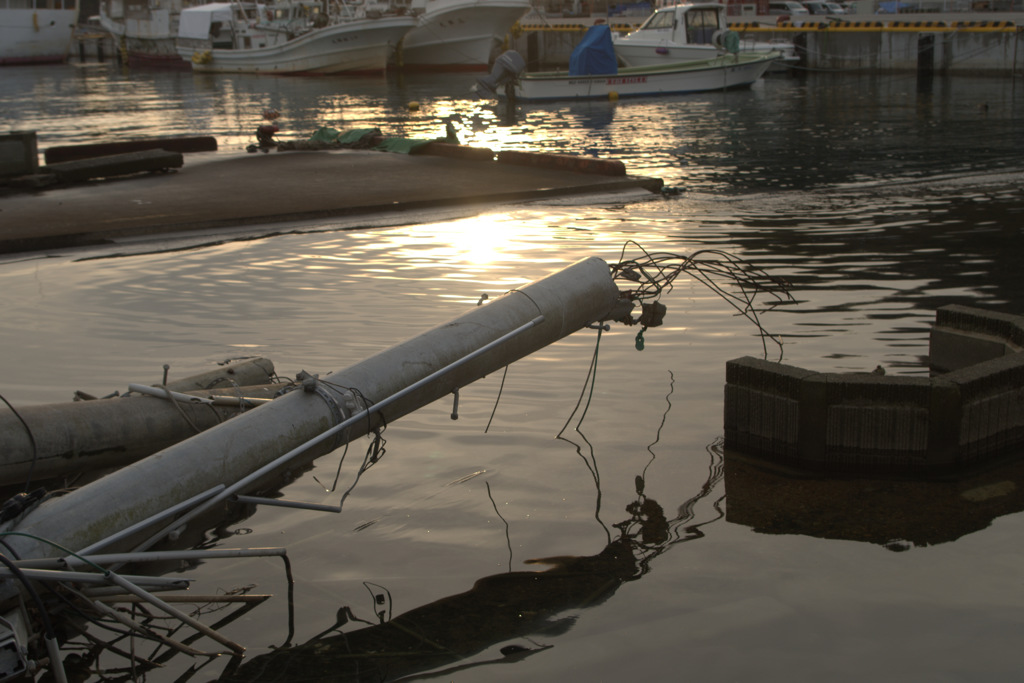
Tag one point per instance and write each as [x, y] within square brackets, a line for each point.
[875, 424]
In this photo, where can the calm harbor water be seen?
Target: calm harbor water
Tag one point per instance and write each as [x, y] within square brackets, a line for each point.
[877, 198]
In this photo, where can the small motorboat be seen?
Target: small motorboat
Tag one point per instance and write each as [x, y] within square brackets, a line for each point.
[594, 74]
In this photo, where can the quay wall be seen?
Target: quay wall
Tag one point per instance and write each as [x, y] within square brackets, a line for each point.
[897, 45]
[915, 47]
[867, 423]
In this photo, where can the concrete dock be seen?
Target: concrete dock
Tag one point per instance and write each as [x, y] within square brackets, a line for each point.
[226, 189]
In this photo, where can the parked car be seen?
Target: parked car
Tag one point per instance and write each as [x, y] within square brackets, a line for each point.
[786, 8]
[819, 7]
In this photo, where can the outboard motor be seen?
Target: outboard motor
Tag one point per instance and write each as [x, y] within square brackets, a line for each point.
[507, 68]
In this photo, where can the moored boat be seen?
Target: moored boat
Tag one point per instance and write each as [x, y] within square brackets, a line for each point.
[457, 35]
[287, 38]
[145, 32]
[36, 31]
[719, 73]
[688, 32]
[594, 74]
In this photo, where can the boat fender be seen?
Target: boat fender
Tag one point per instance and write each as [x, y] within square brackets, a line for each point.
[204, 57]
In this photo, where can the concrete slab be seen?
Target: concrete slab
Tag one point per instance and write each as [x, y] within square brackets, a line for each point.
[216, 190]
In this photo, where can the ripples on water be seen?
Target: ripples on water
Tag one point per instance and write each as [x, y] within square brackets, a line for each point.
[878, 200]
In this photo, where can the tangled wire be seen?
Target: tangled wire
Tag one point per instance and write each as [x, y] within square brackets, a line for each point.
[736, 281]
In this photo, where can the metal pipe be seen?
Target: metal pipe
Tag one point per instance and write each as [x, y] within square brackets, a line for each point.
[136, 626]
[94, 577]
[114, 591]
[163, 392]
[56, 662]
[278, 502]
[220, 598]
[174, 612]
[80, 560]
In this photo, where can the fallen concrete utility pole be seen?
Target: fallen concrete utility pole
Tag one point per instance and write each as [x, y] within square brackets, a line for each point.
[53, 440]
[531, 318]
[40, 442]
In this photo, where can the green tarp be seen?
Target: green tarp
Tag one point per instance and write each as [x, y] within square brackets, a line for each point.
[363, 138]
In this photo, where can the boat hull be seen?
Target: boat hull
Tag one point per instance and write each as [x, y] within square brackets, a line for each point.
[657, 55]
[36, 36]
[459, 35]
[721, 73]
[361, 46]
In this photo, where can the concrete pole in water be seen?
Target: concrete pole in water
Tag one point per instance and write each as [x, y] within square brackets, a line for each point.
[568, 300]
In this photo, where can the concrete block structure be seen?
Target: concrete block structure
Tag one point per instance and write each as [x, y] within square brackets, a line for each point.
[18, 154]
[969, 412]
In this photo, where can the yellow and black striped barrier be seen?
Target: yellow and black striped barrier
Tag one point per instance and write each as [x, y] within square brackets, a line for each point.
[566, 28]
[790, 26]
[917, 24]
[1007, 26]
[901, 26]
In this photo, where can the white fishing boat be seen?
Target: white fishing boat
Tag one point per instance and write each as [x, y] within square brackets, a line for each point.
[145, 32]
[457, 35]
[719, 73]
[594, 74]
[288, 37]
[36, 31]
[688, 32]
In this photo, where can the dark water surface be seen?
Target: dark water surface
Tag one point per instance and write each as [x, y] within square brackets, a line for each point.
[877, 198]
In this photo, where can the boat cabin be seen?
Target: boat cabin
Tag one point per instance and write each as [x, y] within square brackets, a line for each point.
[245, 26]
[690, 24]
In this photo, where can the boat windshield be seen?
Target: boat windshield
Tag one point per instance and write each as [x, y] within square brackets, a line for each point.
[662, 19]
[701, 25]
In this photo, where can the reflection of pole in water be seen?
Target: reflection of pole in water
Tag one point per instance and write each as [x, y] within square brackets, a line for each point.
[589, 459]
[499, 608]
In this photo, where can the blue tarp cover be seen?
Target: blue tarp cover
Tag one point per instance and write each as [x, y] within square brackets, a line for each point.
[595, 53]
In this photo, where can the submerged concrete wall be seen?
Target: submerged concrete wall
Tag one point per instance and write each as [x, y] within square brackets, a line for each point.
[867, 423]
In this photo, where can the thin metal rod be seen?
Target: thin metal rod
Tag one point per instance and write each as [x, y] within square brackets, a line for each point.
[174, 555]
[345, 424]
[56, 662]
[101, 591]
[239, 401]
[93, 577]
[136, 626]
[277, 502]
[162, 392]
[193, 599]
[160, 556]
[153, 519]
[174, 612]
